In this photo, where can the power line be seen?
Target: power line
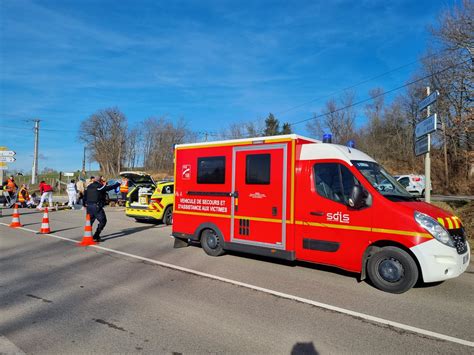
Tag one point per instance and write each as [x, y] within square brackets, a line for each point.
[381, 94]
[42, 129]
[357, 84]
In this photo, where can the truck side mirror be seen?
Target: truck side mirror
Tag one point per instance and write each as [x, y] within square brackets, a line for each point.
[356, 199]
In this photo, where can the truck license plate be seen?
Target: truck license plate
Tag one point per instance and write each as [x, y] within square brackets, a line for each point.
[465, 258]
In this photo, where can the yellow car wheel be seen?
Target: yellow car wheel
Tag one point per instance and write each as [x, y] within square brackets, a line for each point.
[168, 216]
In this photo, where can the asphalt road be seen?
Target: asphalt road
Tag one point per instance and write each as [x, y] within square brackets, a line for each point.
[57, 297]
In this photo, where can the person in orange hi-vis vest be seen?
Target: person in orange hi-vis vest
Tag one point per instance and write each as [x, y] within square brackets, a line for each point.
[10, 186]
[124, 188]
[24, 197]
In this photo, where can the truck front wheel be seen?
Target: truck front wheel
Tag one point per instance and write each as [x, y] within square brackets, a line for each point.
[392, 270]
[211, 242]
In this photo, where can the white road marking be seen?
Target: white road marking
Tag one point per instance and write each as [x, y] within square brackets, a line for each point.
[275, 293]
[7, 347]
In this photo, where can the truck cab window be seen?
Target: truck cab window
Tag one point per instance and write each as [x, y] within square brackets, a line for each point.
[334, 181]
[381, 180]
[211, 170]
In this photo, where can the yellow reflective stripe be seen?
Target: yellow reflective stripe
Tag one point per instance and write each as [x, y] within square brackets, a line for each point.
[312, 224]
[279, 140]
[259, 219]
[292, 198]
[203, 214]
[456, 222]
[365, 229]
[335, 226]
[175, 160]
[315, 224]
[450, 223]
[441, 221]
[399, 232]
[214, 145]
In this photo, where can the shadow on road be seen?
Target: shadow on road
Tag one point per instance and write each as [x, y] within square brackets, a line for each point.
[64, 229]
[304, 348]
[126, 232]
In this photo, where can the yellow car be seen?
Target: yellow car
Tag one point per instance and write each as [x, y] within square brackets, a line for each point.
[147, 199]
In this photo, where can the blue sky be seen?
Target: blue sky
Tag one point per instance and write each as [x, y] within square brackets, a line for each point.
[209, 62]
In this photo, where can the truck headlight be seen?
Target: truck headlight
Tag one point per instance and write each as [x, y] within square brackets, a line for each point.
[434, 228]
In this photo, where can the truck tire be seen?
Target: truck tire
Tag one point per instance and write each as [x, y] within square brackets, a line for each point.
[392, 270]
[168, 216]
[211, 243]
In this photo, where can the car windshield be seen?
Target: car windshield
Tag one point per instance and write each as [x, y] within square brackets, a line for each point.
[379, 178]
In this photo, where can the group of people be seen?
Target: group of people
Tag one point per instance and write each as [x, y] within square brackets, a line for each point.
[23, 196]
[91, 194]
[76, 189]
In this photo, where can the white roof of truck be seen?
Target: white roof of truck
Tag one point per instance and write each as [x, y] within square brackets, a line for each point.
[247, 140]
[316, 151]
[309, 151]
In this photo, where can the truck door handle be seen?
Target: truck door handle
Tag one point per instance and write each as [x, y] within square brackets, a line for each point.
[274, 211]
[316, 213]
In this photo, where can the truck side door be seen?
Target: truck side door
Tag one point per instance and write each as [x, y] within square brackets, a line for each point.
[259, 203]
[328, 231]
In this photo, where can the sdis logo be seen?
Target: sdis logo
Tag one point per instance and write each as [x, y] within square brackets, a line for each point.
[338, 217]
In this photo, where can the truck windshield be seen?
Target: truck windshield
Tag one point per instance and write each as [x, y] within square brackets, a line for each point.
[379, 178]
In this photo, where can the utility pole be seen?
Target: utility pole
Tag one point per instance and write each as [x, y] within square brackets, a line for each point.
[84, 163]
[34, 170]
[428, 158]
[445, 149]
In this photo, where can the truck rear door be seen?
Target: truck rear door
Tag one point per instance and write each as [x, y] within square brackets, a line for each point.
[259, 180]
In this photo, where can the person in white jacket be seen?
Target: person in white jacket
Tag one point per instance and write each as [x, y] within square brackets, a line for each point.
[72, 193]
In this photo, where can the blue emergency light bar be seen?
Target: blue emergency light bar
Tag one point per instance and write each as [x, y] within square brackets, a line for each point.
[327, 138]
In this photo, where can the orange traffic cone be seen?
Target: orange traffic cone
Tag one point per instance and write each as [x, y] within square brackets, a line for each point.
[45, 224]
[87, 239]
[16, 218]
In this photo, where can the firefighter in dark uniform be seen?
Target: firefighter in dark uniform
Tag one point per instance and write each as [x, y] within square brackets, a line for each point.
[94, 201]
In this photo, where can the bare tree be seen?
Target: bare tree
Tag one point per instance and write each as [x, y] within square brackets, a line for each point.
[104, 132]
[159, 139]
[132, 147]
[452, 75]
[456, 28]
[243, 130]
[338, 118]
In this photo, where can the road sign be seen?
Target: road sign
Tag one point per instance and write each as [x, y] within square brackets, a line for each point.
[426, 126]
[7, 153]
[7, 159]
[428, 100]
[68, 174]
[422, 146]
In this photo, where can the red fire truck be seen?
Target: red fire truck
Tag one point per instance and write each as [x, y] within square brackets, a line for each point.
[295, 198]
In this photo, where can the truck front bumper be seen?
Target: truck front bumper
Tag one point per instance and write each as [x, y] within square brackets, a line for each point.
[439, 262]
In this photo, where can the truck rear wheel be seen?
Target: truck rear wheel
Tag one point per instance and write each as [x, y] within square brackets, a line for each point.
[392, 270]
[211, 243]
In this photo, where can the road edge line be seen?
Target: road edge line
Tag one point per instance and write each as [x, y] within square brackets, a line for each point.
[321, 305]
